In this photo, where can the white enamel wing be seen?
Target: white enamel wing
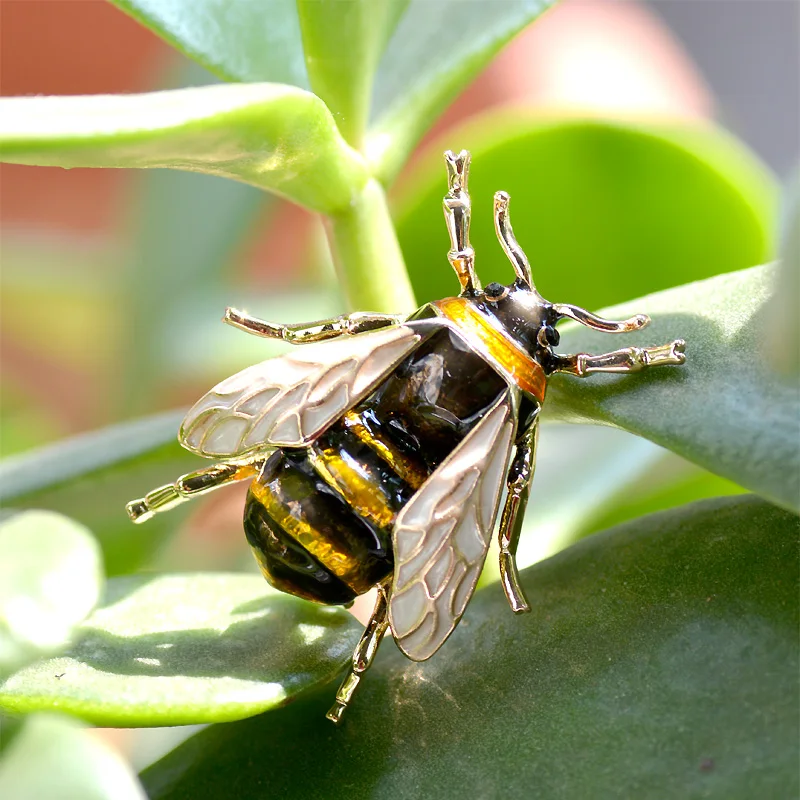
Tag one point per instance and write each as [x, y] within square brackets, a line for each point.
[290, 400]
[441, 536]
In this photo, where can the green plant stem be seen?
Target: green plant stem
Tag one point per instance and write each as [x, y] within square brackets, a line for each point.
[367, 255]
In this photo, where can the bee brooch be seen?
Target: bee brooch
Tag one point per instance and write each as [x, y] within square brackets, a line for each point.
[379, 451]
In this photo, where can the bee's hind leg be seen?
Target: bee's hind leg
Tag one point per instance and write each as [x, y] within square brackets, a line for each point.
[192, 485]
[363, 655]
[518, 487]
[306, 332]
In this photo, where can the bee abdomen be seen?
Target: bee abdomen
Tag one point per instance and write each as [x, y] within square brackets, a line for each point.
[307, 539]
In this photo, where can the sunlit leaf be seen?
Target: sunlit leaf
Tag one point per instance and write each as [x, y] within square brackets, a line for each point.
[659, 660]
[178, 649]
[50, 579]
[276, 137]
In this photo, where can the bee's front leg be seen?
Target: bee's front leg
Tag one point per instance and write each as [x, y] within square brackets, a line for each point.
[192, 485]
[306, 332]
[629, 359]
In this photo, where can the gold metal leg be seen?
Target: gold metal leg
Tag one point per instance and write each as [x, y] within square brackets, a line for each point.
[363, 655]
[629, 359]
[518, 489]
[304, 332]
[192, 485]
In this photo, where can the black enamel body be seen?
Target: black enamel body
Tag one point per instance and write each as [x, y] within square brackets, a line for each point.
[314, 541]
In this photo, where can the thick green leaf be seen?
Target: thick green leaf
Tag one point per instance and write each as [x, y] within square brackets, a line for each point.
[342, 44]
[90, 478]
[50, 579]
[245, 40]
[725, 409]
[435, 51]
[276, 137]
[55, 758]
[178, 649]
[660, 660]
[606, 211]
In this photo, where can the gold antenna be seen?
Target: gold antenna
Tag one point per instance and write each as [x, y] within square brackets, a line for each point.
[457, 215]
[502, 227]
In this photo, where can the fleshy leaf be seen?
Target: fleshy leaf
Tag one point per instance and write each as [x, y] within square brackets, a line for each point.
[342, 44]
[724, 409]
[605, 210]
[435, 51]
[179, 649]
[54, 757]
[50, 579]
[246, 40]
[659, 659]
[279, 138]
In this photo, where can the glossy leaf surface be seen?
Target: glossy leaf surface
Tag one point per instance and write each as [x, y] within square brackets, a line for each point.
[659, 660]
[724, 409]
[178, 649]
[276, 137]
[342, 43]
[54, 757]
[606, 211]
[50, 579]
[245, 40]
[436, 50]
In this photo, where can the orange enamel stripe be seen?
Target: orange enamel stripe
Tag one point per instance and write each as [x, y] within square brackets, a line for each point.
[526, 372]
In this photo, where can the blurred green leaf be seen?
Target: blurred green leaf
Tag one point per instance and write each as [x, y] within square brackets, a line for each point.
[178, 649]
[50, 579]
[590, 477]
[783, 344]
[276, 137]
[434, 53]
[54, 758]
[188, 227]
[656, 491]
[343, 43]
[725, 409]
[85, 455]
[245, 40]
[659, 660]
[90, 477]
[606, 211]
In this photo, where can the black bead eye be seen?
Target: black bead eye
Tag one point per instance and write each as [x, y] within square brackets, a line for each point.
[548, 336]
[494, 291]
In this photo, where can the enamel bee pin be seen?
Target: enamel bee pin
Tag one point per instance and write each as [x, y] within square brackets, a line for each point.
[379, 458]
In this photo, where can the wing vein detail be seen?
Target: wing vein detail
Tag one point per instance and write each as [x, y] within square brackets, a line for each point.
[441, 537]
